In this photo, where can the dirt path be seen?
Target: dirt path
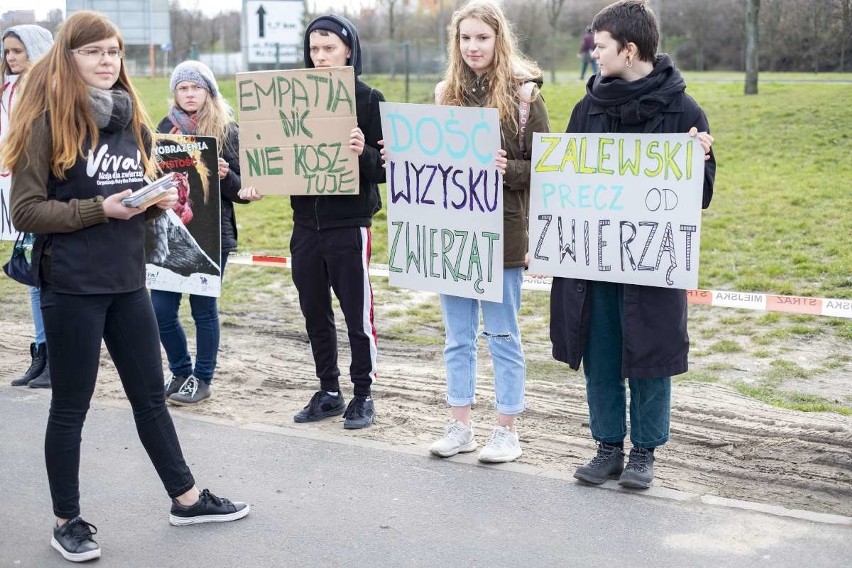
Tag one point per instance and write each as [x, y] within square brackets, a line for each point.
[722, 443]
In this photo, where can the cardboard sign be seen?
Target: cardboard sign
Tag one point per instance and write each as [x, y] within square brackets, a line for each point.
[294, 131]
[184, 245]
[617, 207]
[7, 230]
[445, 210]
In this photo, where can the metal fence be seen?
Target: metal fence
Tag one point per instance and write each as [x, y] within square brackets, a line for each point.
[417, 59]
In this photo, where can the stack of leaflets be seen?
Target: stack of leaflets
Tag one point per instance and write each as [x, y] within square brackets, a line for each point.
[151, 193]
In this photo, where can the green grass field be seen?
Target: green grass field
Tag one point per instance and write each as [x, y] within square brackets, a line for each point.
[780, 221]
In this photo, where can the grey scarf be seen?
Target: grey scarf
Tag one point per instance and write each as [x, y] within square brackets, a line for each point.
[113, 106]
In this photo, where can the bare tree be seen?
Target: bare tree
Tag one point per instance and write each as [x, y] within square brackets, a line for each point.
[752, 18]
[846, 32]
[391, 5]
[554, 7]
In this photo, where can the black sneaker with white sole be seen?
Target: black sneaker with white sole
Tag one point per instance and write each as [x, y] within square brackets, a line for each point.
[191, 392]
[322, 405]
[208, 509]
[74, 540]
[360, 413]
[174, 383]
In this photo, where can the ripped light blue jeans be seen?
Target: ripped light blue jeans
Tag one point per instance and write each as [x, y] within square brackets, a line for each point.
[461, 321]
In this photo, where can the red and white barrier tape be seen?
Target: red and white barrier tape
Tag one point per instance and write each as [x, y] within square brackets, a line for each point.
[728, 299]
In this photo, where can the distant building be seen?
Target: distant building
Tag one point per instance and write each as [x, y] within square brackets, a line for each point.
[432, 6]
[17, 17]
[55, 17]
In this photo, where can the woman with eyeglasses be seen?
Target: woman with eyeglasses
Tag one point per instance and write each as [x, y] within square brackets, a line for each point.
[199, 109]
[22, 45]
[75, 152]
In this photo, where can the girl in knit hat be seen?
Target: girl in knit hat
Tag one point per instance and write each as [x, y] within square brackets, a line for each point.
[22, 45]
[197, 108]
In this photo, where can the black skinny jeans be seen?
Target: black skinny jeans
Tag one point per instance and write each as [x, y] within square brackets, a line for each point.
[75, 325]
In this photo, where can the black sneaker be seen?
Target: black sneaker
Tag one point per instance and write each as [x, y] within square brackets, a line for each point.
[639, 471]
[608, 463]
[74, 540]
[208, 509]
[322, 405]
[359, 413]
[174, 383]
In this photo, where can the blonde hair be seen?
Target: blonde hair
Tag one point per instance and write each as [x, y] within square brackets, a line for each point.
[53, 86]
[509, 69]
[214, 118]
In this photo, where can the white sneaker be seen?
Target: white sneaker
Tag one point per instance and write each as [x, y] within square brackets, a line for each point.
[503, 446]
[457, 438]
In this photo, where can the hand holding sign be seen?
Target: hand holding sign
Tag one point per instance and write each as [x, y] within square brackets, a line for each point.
[705, 139]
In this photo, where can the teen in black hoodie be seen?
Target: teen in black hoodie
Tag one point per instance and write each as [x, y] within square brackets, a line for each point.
[331, 243]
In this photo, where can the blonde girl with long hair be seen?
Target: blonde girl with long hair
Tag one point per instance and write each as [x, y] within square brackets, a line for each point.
[486, 69]
[78, 145]
[198, 108]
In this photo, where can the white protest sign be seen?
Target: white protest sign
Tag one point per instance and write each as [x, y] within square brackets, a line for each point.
[445, 210]
[7, 231]
[617, 207]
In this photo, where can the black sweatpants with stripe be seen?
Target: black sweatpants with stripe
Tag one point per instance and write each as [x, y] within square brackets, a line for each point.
[336, 259]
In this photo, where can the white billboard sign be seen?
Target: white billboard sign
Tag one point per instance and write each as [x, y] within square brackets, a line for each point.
[272, 30]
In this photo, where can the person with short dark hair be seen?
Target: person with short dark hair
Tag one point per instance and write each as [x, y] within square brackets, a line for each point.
[628, 331]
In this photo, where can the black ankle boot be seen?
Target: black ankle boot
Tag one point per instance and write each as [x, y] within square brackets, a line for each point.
[42, 381]
[37, 366]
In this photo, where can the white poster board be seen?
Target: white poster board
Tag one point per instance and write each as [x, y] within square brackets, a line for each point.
[445, 199]
[7, 230]
[617, 207]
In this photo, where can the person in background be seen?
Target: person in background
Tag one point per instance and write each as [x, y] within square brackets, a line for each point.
[198, 108]
[628, 331]
[89, 261]
[331, 243]
[22, 45]
[587, 46]
[486, 69]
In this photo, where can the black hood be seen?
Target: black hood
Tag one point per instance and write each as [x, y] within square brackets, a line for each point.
[354, 57]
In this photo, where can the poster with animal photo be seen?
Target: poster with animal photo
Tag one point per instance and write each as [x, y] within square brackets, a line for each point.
[184, 246]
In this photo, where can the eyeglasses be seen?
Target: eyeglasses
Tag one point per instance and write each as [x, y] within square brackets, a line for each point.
[98, 53]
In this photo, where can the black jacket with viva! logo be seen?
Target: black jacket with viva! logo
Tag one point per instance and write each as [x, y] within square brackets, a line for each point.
[99, 257]
[350, 210]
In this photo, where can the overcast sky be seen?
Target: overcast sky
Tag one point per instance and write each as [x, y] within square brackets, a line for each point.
[211, 7]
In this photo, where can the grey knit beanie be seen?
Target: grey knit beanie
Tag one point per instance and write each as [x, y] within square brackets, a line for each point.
[195, 72]
[36, 39]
